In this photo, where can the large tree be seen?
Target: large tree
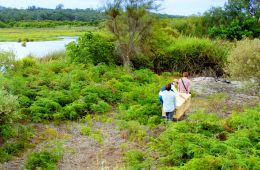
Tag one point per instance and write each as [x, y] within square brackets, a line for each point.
[237, 19]
[130, 21]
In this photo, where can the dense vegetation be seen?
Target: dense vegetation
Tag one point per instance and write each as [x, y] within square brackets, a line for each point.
[9, 15]
[56, 90]
[41, 17]
[203, 141]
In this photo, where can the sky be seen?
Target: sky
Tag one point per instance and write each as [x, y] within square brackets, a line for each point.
[174, 7]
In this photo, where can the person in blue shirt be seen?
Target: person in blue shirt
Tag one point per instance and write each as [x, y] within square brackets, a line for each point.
[169, 101]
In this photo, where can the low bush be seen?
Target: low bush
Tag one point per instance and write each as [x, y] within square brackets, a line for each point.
[42, 160]
[8, 106]
[244, 60]
[7, 60]
[196, 55]
[92, 48]
[204, 141]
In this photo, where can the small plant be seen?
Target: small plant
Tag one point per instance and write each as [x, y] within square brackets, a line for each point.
[23, 44]
[28, 62]
[85, 130]
[95, 134]
[41, 160]
[134, 159]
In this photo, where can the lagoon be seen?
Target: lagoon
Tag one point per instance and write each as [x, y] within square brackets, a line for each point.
[38, 48]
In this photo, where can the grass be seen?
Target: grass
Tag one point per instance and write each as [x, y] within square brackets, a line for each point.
[40, 34]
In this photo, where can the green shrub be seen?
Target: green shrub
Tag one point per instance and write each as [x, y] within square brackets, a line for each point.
[92, 48]
[74, 110]
[4, 156]
[196, 55]
[85, 130]
[43, 108]
[190, 26]
[134, 159]
[204, 141]
[41, 160]
[28, 62]
[236, 30]
[4, 25]
[244, 60]
[7, 60]
[7, 131]
[100, 107]
[8, 106]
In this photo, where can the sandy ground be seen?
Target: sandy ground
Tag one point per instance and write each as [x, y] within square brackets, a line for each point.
[81, 152]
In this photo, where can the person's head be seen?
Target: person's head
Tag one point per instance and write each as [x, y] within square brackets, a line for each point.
[185, 74]
[175, 81]
[168, 87]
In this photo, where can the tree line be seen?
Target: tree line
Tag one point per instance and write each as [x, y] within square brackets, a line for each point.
[58, 14]
[10, 16]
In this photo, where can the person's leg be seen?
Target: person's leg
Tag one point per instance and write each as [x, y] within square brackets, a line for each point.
[169, 116]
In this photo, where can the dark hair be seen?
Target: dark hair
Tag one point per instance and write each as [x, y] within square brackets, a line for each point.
[185, 74]
[168, 87]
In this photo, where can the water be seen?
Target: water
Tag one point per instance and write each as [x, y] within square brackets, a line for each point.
[37, 48]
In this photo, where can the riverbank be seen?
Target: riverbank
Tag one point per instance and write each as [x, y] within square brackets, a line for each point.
[41, 34]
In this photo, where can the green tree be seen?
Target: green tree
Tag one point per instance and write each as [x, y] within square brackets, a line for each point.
[130, 22]
[237, 19]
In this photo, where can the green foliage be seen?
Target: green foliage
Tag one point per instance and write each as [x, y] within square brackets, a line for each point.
[204, 141]
[7, 59]
[3, 25]
[40, 17]
[236, 30]
[28, 62]
[134, 130]
[42, 160]
[8, 107]
[195, 55]
[58, 90]
[48, 24]
[236, 20]
[85, 130]
[190, 26]
[92, 48]
[95, 134]
[134, 159]
[244, 60]
[12, 148]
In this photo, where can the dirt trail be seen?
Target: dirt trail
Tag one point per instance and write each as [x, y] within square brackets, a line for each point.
[81, 152]
[87, 154]
[235, 94]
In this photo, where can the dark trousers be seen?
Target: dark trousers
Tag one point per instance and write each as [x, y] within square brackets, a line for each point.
[169, 116]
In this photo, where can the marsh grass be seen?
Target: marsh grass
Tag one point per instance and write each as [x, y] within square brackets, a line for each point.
[57, 55]
[40, 34]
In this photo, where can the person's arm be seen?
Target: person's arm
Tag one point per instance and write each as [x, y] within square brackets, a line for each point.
[174, 101]
[174, 89]
[188, 86]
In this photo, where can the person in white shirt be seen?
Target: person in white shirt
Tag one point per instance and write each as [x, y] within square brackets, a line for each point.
[169, 102]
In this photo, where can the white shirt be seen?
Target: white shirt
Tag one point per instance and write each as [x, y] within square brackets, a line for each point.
[169, 101]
